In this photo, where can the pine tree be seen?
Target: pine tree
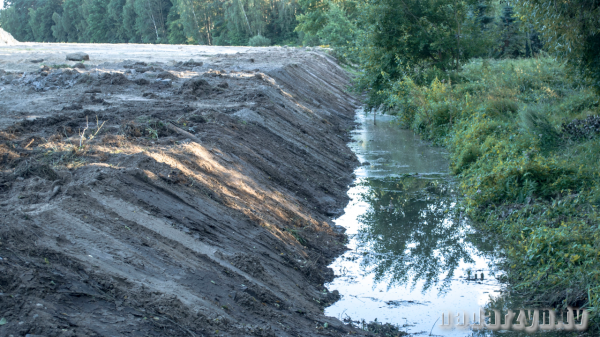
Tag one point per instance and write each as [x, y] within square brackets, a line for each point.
[175, 32]
[512, 41]
[40, 19]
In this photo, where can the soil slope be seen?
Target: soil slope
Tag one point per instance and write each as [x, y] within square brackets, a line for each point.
[6, 38]
[152, 195]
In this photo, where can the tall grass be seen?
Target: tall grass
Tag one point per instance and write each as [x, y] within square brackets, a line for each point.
[523, 177]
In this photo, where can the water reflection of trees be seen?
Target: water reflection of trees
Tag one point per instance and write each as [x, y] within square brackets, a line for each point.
[410, 232]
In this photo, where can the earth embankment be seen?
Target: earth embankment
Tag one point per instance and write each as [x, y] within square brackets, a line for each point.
[146, 194]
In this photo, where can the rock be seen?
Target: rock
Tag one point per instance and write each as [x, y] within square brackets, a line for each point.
[79, 56]
[113, 79]
[223, 85]
[366, 164]
[247, 115]
[79, 66]
[37, 61]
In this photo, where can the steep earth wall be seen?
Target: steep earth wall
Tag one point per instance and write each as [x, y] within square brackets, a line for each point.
[172, 198]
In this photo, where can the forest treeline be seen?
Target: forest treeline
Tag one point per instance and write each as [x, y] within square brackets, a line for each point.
[206, 22]
[229, 22]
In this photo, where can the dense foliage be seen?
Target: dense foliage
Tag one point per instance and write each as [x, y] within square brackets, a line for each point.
[231, 22]
[525, 140]
[487, 80]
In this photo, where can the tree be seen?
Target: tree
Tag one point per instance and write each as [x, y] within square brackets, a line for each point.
[513, 42]
[569, 29]
[15, 19]
[176, 34]
[40, 19]
[114, 13]
[129, 19]
[413, 37]
[151, 20]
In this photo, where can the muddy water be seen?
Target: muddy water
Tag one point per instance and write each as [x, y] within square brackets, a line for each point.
[412, 257]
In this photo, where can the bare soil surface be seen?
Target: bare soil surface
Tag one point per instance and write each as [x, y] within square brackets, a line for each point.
[147, 194]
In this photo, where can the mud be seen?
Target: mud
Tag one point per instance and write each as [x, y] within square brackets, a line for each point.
[175, 197]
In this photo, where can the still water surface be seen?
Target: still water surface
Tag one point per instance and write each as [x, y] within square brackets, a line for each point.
[411, 255]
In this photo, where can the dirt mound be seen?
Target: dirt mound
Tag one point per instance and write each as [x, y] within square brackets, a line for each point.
[165, 75]
[6, 39]
[127, 209]
[114, 79]
[196, 87]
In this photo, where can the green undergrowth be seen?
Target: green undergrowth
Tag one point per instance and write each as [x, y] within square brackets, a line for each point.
[526, 176]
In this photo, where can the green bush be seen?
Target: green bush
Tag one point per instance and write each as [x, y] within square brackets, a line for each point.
[467, 156]
[538, 124]
[259, 41]
[501, 107]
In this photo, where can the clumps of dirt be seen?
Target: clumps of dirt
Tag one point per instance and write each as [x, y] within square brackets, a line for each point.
[141, 81]
[196, 88]
[48, 79]
[188, 64]
[154, 129]
[174, 176]
[27, 169]
[142, 67]
[113, 140]
[115, 78]
[166, 75]
[150, 95]
[73, 106]
[197, 119]
[583, 128]
[249, 264]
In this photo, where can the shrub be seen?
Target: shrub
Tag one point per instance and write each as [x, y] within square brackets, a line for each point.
[501, 107]
[467, 156]
[259, 41]
[538, 124]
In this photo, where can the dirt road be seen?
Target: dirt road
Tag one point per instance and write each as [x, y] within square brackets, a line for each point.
[147, 194]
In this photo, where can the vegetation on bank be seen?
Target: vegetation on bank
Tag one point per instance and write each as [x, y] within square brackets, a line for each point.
[524, 137]
[512, 91]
